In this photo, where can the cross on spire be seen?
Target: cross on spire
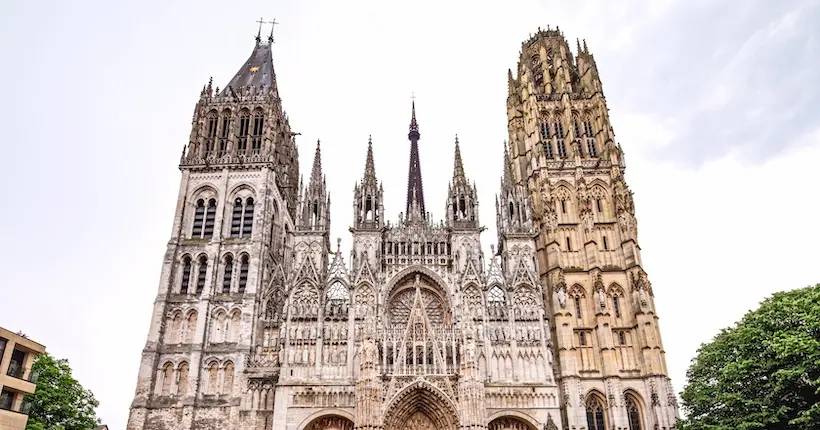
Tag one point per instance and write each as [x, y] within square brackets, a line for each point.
[272, 25]
[259, 33]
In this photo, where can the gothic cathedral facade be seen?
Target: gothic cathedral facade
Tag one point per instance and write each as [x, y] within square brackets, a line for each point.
[260, 324]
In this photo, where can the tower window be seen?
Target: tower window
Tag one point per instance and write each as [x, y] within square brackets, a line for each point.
[616, 304]
[186, 275]
[228, 275]
[236, 218]
[243, 273]
[569, 244]
[545, 130]
[598, 205]
[590, 138]
[595, 414]
[244, 129]
[559, 140]
[210, 219]
[223, 135]
[578, 307]
[256, 139]
[563, 206]
[462, 206]
[633, 414]
[247, 219]
[582, 339]
[606, 247]
[621, 338]
[199, 217]
[200, 278]
[210, 137]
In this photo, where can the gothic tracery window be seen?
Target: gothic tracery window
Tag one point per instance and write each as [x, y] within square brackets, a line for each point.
[256, 139]
[633, 413]
[244, 129]
[402, 304]
[337, 291]
[223, 134]
[210, 133]
[559, 138]
[595, 414]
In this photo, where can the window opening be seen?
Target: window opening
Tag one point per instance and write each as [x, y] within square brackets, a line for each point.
[228, 275]
[243, 273]
[186, 275]
[203, 269]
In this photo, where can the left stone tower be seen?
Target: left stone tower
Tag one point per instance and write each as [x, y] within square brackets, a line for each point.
[231, 236]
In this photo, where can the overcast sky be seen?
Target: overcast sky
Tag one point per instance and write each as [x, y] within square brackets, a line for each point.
[716, 104]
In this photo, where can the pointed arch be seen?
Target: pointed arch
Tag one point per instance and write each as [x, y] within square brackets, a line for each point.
[421, 397]
[595, 405]
[634, 410]
[327, 419]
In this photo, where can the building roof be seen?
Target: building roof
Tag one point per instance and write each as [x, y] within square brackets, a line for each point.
[256, 72]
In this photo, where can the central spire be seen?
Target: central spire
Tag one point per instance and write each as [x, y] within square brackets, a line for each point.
[415, 192]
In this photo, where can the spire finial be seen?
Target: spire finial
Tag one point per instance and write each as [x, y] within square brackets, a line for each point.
[272, 25]
[259, 33]
[586, 50]
[338, 245]
[414, 126]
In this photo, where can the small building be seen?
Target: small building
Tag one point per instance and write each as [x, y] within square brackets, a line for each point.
[17, 354]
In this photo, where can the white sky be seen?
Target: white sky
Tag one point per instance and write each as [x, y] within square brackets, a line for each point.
[715, 103]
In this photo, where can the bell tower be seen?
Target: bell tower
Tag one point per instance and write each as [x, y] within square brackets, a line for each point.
[610, 361]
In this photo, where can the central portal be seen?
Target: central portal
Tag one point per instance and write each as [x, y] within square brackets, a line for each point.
[419, 421]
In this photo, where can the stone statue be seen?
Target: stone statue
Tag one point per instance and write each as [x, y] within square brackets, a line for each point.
[562, 297]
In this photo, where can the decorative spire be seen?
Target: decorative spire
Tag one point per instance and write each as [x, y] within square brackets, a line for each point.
[415, 191]
[316, 173]
[458, 166]
[369, 166]
[507, 171]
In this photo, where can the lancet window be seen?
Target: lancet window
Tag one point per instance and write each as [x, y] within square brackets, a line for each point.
[201, 272]
[224, 129]
[243, 272]
[186, 275]
[244, 130]
[210, 133]
[204, 219]
[256, 138]
[633, 413]
[546, 139]
[242, 217]
[595, 414]
[227, 275]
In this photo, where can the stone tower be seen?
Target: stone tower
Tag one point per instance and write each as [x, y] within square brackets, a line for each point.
[610, 359]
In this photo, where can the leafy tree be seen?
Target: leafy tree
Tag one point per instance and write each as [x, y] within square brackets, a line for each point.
[60, 402]
[763, 373]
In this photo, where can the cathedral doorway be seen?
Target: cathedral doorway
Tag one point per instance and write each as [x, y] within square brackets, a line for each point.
[421, 407]
[330, 422]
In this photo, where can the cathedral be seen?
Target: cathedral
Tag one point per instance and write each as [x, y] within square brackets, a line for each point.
[262, 322]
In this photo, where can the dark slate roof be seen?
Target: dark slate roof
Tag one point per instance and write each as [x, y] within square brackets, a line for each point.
[257, 71]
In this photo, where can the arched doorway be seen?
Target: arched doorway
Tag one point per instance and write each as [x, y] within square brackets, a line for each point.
[330, 422]
[421, 407]
[510, 423]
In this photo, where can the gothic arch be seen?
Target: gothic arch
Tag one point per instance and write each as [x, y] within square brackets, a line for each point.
[421, 397]
[499, 420]
[634, 404]
[596, 410]
[396, 284]
[615, 290]
[238, 189]
[204, 191]
[317, 417]
[577, 291]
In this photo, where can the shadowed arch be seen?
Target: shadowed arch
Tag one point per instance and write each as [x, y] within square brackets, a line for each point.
[329, 419]
[421, 397]
[511, 420]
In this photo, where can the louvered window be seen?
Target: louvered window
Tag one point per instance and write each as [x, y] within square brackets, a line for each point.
[227, 276]
[199, 217]
[200, 277]
[243, 273]
[186, 275]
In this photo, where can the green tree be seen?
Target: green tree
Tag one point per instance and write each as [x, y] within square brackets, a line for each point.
[763, 373]
[60, 402]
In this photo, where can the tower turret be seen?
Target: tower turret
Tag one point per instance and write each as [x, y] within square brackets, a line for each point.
[368, 209]
[313, 212]
[462, 199]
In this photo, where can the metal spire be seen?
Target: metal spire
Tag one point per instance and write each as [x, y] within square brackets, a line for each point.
[415, 191]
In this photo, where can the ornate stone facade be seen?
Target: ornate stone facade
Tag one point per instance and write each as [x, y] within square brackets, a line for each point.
[259, 324]
[610, 359]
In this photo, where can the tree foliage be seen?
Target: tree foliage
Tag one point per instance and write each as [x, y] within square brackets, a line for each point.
[763, 373]
[59, 402]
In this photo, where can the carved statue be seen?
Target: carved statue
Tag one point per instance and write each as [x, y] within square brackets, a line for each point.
[601, 297]
[562, 297]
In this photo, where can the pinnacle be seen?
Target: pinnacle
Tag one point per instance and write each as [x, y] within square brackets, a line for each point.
[316, 173]
[507, 172]
[369, 165]
[458, 165]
